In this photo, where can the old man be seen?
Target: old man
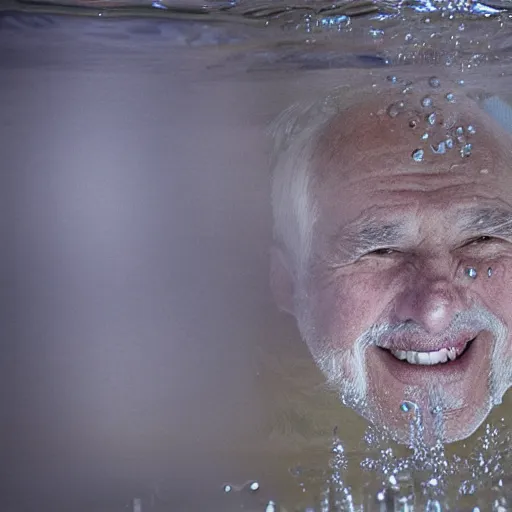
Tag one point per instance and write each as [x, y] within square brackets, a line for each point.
[393, 250]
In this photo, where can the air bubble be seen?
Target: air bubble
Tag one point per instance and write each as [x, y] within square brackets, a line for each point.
[466, 150]
[426, 102]
[227, 488]
[417, 156]
[489, 272]
[471, 130]
[254, 486]
[408, 37]
[338, 448]
[471, 272]
[433, 506]
[459, 131]
[449, 143]
[395, 108]
[431, 119]
[381, 496]
[440, 149]
[413, 123]
[271, 506]
[424, 136]
[393, 79]
[434, 81]
[450, 97]
[461, 82]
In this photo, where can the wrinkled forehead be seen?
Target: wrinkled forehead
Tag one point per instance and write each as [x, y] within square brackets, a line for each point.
[426, 131]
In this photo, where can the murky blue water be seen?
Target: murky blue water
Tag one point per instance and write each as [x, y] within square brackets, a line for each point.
[146, 367]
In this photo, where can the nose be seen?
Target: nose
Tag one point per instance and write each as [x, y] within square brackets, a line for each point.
[431, 305]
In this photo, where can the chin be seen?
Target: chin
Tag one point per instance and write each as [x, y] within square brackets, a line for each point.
[446, 426]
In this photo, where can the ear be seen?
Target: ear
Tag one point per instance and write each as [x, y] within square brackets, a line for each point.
[281, 281]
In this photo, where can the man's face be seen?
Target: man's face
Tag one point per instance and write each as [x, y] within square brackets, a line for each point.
[408, 292]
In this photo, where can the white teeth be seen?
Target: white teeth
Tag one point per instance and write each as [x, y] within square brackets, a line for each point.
[426, 358]
[423, 357]
[400, 354]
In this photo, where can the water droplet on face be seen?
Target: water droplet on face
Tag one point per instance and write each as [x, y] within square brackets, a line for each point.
[408, 37]
[461, 82]
[433, 482]
[227, 488]
[466, 150]
[440, 149]
[459, 131]
[450, 97]
[413, 123]
[381, 496]
[393, 79]
[404, 407]
[471, 130]
[431, 119]
[434, 81]
[417, 156]
[489, 272]
[426, 102]
[449, 143]
[471, 272]
[254, 486]
[424, 136]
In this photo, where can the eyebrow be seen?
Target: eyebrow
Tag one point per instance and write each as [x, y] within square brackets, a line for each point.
[366, 234]
[487, 220]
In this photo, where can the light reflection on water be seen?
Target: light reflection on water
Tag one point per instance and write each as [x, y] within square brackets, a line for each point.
[232, 51]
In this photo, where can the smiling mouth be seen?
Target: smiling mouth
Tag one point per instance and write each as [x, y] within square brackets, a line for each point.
[442, 356]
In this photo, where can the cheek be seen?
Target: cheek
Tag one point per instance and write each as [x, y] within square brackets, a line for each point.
[495, 290]
[347, 306]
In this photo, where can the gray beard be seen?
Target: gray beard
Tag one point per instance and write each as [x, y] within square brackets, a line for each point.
[346, 372]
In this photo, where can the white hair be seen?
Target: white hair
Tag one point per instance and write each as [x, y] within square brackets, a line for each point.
[296, 133]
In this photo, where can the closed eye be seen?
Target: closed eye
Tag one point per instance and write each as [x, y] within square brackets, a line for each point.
[481, 239]
[384, 251]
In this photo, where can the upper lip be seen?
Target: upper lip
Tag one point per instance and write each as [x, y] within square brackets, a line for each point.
[418, 343]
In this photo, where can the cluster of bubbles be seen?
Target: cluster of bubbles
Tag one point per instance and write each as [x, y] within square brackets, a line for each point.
[424, 479]
[456, 137]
